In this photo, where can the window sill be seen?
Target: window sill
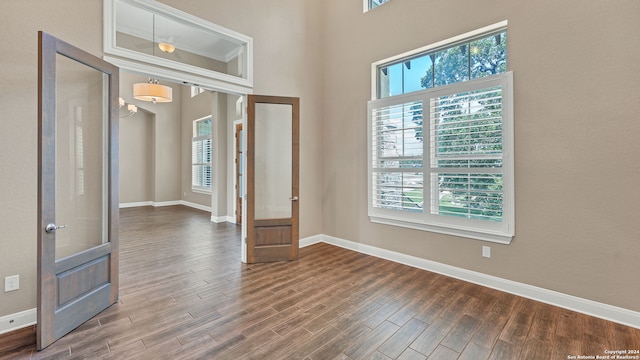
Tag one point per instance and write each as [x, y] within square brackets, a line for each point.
[499, 238]
[201, 191]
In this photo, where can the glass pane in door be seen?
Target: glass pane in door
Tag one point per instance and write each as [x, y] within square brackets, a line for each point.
[81, 142]
[273, 154]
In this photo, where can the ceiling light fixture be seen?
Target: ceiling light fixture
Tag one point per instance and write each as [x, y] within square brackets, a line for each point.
[152, 91]
[167, 47]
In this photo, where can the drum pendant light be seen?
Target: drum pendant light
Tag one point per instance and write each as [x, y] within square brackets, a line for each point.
[152, 91]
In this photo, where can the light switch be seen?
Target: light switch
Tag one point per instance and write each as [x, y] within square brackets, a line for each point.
[486, 251]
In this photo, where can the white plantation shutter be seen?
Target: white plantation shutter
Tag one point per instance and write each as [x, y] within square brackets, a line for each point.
[442, 159]
[466, 154]
[397, 157]
[201, 156]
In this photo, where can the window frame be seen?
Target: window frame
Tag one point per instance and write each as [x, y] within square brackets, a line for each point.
[196, 90]
[450, 42]
[367, 5]
[499, 232]
[197, 138]
[174, 70]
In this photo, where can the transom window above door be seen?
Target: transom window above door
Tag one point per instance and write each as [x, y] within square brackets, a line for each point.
[151, 33]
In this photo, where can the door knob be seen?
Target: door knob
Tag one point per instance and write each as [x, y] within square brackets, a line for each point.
[295, 198]
[53, 227]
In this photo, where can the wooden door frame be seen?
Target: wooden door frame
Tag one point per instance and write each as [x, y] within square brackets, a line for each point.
[238, 153]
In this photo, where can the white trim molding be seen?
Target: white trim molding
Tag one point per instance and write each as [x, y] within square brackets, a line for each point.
[589, 307]
[136, 204]
[195, 206]
[315, 239]
[165, 203]
[173, 70]
[215, 219]
[431, 47]
[223, 218]
[18, 320]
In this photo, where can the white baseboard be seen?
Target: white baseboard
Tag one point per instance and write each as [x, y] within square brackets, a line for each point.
[218, 219]
[165, 203]
[17, 321]
[570, 302]
[315, 239]
[196, 206]
[215, 219]
[168, 203]
[136, 204]
[223, 218]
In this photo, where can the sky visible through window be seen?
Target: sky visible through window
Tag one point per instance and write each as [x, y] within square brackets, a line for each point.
[375, 3]
[473, 59]
[406, 77]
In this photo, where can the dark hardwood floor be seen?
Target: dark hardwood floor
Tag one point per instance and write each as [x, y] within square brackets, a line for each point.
[184, 294]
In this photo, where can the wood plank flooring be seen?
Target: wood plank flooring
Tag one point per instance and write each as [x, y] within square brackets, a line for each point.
[185, 295]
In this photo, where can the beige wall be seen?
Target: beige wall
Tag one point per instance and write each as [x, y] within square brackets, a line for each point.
[577, 106]
[164, 140]
[220, 159]
[288, 55]
[287, 45]
[576, 112]
[137, 158]
[193, 108]
[19, 22]
[158, 124]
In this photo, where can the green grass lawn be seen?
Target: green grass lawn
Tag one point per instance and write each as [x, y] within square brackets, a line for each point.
[414, 195]
[447, 206]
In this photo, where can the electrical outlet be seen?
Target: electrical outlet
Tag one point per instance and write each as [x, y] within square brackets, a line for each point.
[486, 251]
[11, 283]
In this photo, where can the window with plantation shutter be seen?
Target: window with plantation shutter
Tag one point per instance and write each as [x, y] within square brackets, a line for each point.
[201, 155]
[397, 156]
[466, 154]
[442, 159]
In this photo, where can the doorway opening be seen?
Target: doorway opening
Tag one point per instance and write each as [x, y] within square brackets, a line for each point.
[152, 39]
[158, 150]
